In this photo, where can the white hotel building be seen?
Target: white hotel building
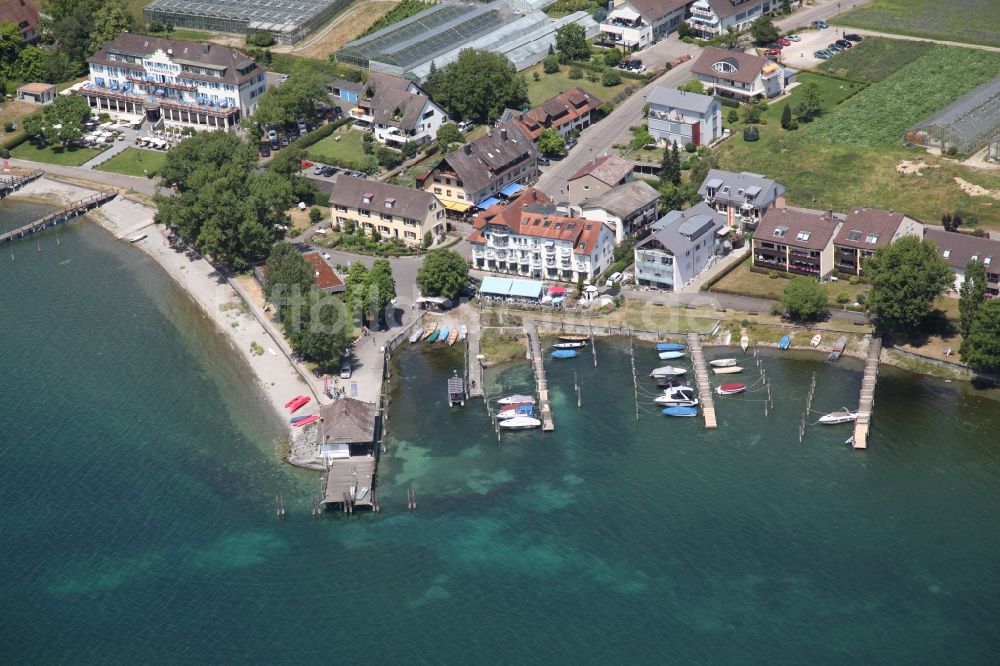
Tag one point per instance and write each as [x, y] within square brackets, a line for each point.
[187, 83]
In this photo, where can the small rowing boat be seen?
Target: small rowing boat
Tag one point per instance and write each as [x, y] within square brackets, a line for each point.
[306, 421]
[520, 423]
[842, 416]
[838, 348]
[515, 399]
[728, 338]
[816, 339]
[297, 403]
[669, 346]
[728, 370]
[564, 353]
[452, 337]
[722, 362]
[463, 333]
[416, 336]
[671, 355]
[569, 345]
[681, 411]
[785, 341]
[667, 371]
[433, 336]
[293, 400]
[296, 419]
[136, 238]
[429, 329]
[574, 338]
[731, 389]
[442, 335]
[744, 342]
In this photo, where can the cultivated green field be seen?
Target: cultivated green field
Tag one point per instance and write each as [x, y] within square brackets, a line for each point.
[135, 162]
[879, 115]
[965, 21]
[874, 59]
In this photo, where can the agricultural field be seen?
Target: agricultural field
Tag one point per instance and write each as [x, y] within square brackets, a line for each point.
[965, 21]
[403, 10]
[344, 27]
[879, 115]
[874, 59]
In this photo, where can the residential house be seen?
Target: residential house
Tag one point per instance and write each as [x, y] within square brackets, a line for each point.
[564, 112]
[327, 279]
[739, 75]
[24, 14]
[710, 18]
[205, 86]
[864, 231]
[635, 24]
[530, 237]
[743, 197]
[795, 241]
[960, 249]
[597, 177]
[36, 93]
[499, 160]
[395, 109]
[681, 117]
[395, 212]
[679, 246]
[627, 208]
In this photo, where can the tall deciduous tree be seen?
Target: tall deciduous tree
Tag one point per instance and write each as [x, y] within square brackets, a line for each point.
[804, 298]
[571, 42]
[61, 121]
[550, 143]
[444, 273]
[448, 134]
[479, 85]
[973, 295]
[983, 342]
[763, 31]
[810, 105]
[11, 44]
[286, 275]
[907, 276]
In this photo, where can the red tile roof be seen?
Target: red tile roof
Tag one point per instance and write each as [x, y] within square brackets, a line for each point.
[562, 109]
[863, 223]
[326, 277]
[20, 12]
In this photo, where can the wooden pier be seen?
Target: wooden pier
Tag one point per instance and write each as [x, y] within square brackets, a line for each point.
[866, 403]
[537, 359]
[52, 219]
[11, 184]
[349, 482]
[701, 377]
[474, 364]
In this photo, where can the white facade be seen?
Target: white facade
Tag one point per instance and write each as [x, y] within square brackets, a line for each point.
[682, 118]
[626, 27]
[708, 21]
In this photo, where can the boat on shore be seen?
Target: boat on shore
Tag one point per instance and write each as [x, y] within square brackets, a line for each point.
[452, 337]
[728, 338]
[306, 421]
[678, 396]
[816, 339]
[785, 342]
[136, 238]
[515, 399]
[744, 342]
[463, 333]
[564, 353]
[296, 419]
[569, 345]
[681, 411]
[574, 337]
[520, 423]
[669, 346]
[442, 335]
[838, 348]
[297, 403]
[429, 330]
[841, 416]
[433, 336]
[722, 362]
[416, 336]
[667, 371]
[730, 389]
[728, 370]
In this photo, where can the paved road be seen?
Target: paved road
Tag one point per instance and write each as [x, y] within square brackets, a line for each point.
[144, 185]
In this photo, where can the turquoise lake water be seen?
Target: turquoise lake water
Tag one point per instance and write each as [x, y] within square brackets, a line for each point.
[138, 468]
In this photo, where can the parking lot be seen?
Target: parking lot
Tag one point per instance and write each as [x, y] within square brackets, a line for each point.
[800, 54]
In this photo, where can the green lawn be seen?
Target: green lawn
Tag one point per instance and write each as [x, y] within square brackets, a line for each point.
[550, 85]
[874, 59]
[54, 154]
[832, 92]
[965, 21]
[744, 281]
[135, 162]
[342, 148]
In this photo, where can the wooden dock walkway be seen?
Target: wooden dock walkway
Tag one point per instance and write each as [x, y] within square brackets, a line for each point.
[473, 364]
[52, 219]
[537, 359]
[701, 377]
[347, 478]
[11, 184]
[866, 403]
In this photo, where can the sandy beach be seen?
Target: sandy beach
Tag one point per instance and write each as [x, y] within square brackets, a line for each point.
[276, 374]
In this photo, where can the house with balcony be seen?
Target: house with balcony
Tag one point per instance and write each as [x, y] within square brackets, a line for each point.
[679, 246]
[796, 241]
[635, 24]
[866, 230]
[597, 177]
[395, 109]
[711, 18]
[472, 176]
[960, 249]
[565, 112]
[393, 211]
[204, 86]
[739, 75]
[742, 197]
[530, 237]
[628, 208]
[24, 14]
[679, 117]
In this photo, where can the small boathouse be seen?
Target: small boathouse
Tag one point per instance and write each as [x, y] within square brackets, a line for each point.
[347, 433]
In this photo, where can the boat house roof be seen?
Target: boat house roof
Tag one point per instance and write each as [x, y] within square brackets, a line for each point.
[347, 421]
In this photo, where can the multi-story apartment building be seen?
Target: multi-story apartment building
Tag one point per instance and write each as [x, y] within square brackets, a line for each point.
[739, 75]
[743, 197]
[866, 230]
[681, 117]
[710, 18]
[635, 24]
[393, 211]
[960, 249]
[530, 237]
[597, 177]
[796, 241]
[395, 109]
[479, 170]
[564, 113]
[679, 246]
[627, 208]
[201, 85]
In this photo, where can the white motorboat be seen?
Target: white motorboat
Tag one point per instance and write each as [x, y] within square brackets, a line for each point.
[667, 371]
[514, 412]
[842, 416]
[722, 362]
[744, 342]
[515, 399]
[416, 336]
[463, 333]
[520, 423]
[816, 339]
[678, 396]
[671, 355]
[136, 238]
[730, 389]
[728, 370]
[569, 345]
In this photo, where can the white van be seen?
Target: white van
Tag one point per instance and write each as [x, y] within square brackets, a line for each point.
[615, 277]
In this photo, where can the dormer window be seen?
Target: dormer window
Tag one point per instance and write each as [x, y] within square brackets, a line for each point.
[803, 235]
[367, 197]
[389, 202]
[780, 232]
[725, 190]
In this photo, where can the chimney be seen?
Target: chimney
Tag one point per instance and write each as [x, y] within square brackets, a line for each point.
[503, 133]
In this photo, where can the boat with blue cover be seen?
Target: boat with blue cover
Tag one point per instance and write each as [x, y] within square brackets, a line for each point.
[564, 353]
[670, 355]
[681, 411]
[785, 341]
[442, 335]
[669, 346]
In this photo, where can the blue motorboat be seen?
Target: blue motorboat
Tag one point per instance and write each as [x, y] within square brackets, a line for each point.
[669, 346]
[670, 355]
[564, 353]
[681, 411]
[784, 342]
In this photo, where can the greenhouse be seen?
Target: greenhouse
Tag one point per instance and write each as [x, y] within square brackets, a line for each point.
[964, 126]
[287, 21]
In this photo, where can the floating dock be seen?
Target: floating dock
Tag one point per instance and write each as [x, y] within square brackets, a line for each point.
[866, 403]
[701, 377]
[11, 184]
[537, 359]
[52, 219]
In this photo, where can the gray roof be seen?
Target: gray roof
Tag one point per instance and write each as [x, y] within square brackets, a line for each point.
[183, 52]
[678, 99]
[479, 162]
[678, 230]
[347, 421]
[625, 199]
[767, 189]
[726, 8]
[389, 93]
[414, 204]
[961, 248]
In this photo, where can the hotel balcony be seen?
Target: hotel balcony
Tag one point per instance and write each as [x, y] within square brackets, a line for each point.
[550, 262]
[163, 84]
[499, 240]
[92, 89]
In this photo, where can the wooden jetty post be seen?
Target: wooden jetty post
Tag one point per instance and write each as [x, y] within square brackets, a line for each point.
[866, 402]
[701, 377]
[538, 364]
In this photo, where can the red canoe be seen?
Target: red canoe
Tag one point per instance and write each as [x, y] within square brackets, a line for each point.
[297, 403]
[729, 389]
[306, 421]
[290, 402]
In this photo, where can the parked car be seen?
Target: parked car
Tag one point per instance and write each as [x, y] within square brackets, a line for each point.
[272, 135]
[854, 37]
[465, 125]
[345, 368]
[784, 41]
[821, 25]
[303, 128]
[615, 277]
[822, 54]
[318, 169]
[844, 44]
[275, 145]
[284, 141]
[328, 170]
[265, 150]
[543, 160]
[794, 38]
[773, 45]
[570, 142]
[836, 48]
[772, 53]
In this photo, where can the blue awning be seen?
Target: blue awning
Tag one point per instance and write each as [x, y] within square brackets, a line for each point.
[486, 203]
[512, 189]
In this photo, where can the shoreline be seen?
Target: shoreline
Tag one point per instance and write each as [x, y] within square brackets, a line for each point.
[275, 375]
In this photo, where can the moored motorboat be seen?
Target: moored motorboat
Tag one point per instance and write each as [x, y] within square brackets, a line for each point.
[520, 423]
[678, 396]
[297, 403]
[816, 339]
[515, 399]
[574, 337]
[515, 411]
[841, 416]
[564, 353]
[306, 421]
[452, 337]
[785, 341]
[667, 371]
[671, 355]
[669, 346]
[429, 329]
[728, 370]
[744, 342]
[463, 333]
[730, 389]
[722, 362]
[569, 345]
[838, 348]
[681, 411]
[668, 381]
